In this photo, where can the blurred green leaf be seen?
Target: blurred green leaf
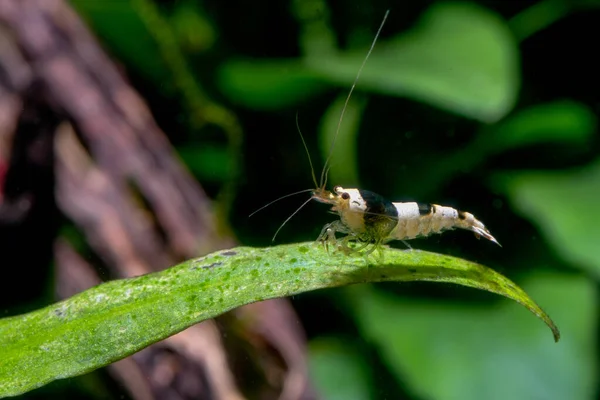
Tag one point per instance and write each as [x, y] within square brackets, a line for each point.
[559, 122]
[338, 370]
[539, 16]
[564, 206]
[450, 351]
[565, 123]
[194, 31]
[119, 25]
[269, 85]
[460, 57]
[115, 319]
[315, 34]
[344, 156]
[543, 13]
[208, 162]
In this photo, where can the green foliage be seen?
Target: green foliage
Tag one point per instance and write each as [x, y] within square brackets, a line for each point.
[456, 350]
[564, 123]
[460, 57]
[210, 163]
[119, 25]
[344, 153]
[560, 122]
[454, 102]
[339, 370]
[118, 318]
[470, 352]
[564, 205]
[267, 85]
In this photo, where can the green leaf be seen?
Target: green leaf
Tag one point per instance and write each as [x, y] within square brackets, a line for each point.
[455, 351]
[565, 123]
[118, 318]
[460, 57]
[564, 206]
[208, 162]
[119, 25]
[338, 370]
[195, 32]
[561, 122]
[344, 156]
[543, 14]
[268, 85]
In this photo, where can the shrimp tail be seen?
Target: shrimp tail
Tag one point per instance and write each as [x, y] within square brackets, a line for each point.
[468, 221]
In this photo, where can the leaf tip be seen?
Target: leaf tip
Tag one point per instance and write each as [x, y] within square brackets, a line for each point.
[555, 332]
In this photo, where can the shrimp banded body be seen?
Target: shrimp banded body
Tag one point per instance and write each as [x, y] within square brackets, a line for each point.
[370, 218]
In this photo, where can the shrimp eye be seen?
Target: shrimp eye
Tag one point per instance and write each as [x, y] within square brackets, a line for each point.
[345, 196]
[336, 188]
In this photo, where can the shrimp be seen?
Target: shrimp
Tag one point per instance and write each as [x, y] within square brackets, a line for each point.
[368, 218]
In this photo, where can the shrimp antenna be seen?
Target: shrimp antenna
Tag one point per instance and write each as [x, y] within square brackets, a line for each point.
[312, 169]
[291, 216]
[280, 198]
[325, 171]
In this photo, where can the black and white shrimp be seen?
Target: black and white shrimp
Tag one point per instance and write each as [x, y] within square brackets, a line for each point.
[368, 218]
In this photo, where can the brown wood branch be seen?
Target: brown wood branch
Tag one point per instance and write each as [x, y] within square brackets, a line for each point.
[203, 343]
[94, 98]
[15, 75]
[117, 229]
[277, 324]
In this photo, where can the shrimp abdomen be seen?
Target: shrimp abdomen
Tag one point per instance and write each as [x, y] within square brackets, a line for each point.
[418, 220]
